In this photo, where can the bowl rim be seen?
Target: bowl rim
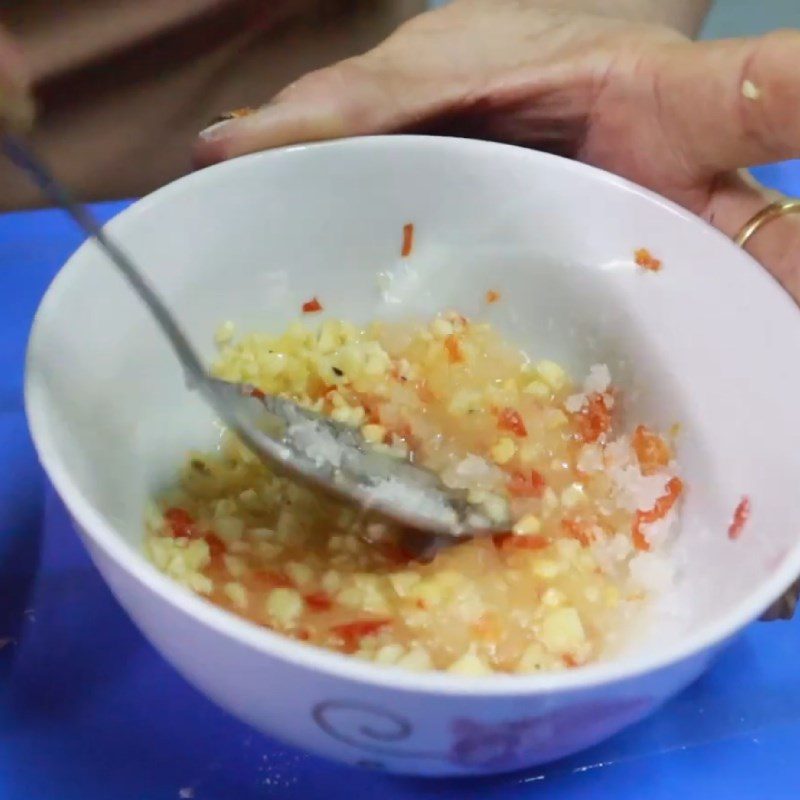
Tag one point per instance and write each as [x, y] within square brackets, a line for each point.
[335, 665]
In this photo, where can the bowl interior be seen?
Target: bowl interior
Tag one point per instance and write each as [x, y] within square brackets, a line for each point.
[709, 342]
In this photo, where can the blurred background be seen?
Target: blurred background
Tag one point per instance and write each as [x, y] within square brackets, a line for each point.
[745, 17]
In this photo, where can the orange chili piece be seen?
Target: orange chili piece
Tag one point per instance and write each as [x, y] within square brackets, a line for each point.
[651, 450]
[510, 420]
[532, 542]
[576, 529]
[318, 601]
[351, 633]
[408, 240]
[594, 419]
[658, 511]
[453, 348]
[216, 547]
[526, 484]
[740, 517]
[644, 258]
[180, 521]
[492, 296]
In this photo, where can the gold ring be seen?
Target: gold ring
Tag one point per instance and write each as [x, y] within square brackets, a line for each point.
[773, 211]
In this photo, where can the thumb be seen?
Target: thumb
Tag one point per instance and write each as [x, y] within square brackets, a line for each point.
[373, 93]
[732, 104]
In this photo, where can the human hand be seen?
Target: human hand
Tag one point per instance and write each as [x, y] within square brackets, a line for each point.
[16, 104]
[639, 100]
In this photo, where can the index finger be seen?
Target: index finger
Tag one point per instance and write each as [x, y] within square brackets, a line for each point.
[16, 103]
[734, 103]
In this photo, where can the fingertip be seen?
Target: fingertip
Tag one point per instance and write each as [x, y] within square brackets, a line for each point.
[275, 125]
[205, 153]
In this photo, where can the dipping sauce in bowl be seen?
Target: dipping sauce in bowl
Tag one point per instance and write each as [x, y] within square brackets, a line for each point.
[592, 508]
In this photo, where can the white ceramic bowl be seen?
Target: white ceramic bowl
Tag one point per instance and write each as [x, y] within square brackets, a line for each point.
[710, 341]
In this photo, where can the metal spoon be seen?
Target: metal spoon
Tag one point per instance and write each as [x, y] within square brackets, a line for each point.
[297, 442]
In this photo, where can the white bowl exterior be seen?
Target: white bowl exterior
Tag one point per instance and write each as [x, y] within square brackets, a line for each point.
[252, 239]
[383, 727]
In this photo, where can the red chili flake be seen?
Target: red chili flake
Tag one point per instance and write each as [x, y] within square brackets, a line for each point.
[351, 633]
[531, 542]
[303, 635]
[577, 529]
[526, 484]
[658, 511]
[408, 240]
[594, 419]
[500, 539]
[510, 420]
[492, 296]
[254, 392]
[311, 306]
[510, 540]
[180, 521]
[318, 601]
[644, 258]
[216, 547]
[740, 517]
[453, 347]
[570, 660]
[651, 450]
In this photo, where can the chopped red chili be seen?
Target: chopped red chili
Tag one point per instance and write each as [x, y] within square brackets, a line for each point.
[594, 419]
[510, 420]
[526, 484]
[532, 542]
[351, 633]
[216, 547]
[453, 347]
[255, 392]
[311, 306]
[180, 521]
[644, 258]
[492, 296]
[658, 511]
[318, 601]
[651, 450]
[512, 541]
[408, 240]
[577, 529]
[740, 517]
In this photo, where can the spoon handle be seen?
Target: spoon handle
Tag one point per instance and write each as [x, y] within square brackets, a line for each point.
[21, 154]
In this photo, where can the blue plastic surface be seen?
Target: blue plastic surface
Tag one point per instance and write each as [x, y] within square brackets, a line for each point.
[89, 711]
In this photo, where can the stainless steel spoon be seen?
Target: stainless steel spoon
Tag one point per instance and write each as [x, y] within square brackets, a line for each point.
[299, 443]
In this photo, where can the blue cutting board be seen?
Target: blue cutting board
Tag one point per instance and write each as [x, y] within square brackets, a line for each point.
[89, 711]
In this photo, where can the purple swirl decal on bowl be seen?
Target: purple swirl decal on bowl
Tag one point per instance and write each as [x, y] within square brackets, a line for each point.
[366, 727]
[477, 744]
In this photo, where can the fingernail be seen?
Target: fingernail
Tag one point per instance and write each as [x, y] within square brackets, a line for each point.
[218, 123]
